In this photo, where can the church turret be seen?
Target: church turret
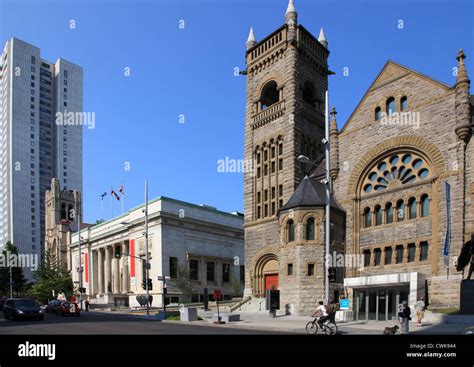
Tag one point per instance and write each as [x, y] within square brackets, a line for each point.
[322, 38]
[463, 106]
[291, 19]
[251, 41]
[334, 141]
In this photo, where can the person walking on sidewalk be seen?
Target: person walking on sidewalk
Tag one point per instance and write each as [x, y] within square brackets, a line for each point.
[420, 308]
[404, 314]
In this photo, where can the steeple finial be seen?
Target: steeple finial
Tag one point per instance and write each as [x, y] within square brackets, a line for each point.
[251, 41]
[291, 15]
[462, 72]
[322, 38]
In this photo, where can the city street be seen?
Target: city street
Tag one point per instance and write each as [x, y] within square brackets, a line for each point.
[104, 323]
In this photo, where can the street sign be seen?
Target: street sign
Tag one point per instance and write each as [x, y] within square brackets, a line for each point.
[161, 278]
[344, 304]
[217, 294]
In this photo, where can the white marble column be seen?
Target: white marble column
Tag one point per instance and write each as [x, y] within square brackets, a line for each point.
[125, 274]
[100, 275]
[115, 275]
[108, 277]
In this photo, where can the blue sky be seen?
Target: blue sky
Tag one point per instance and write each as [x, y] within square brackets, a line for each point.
[190, 72]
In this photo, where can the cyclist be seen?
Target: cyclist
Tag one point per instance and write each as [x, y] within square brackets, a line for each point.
[322, 313]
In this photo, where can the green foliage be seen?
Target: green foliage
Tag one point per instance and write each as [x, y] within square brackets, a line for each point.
[51, 277]
[183, 283]
[18, 277]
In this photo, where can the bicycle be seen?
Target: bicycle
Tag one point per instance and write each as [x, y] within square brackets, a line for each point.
[328, 326]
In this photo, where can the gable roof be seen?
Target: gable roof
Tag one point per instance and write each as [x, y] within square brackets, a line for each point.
[385, 77]
[309, 193]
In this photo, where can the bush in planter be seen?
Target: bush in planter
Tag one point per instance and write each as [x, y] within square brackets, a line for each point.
[141, 299]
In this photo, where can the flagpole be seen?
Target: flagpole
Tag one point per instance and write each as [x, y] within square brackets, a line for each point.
[101, 207]
[111, 205]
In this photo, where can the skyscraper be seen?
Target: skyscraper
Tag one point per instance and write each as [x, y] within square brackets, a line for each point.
[34, 148]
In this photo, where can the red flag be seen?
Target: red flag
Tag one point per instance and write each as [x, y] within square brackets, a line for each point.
[121, 189]
[113, 193]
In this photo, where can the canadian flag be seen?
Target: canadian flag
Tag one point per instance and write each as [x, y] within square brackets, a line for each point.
[113, 193]
[121, 189]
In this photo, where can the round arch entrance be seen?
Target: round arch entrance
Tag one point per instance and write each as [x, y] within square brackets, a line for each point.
[266, 274]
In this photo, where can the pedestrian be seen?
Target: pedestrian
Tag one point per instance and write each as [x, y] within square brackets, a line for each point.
[87, 305]
[420, 308]
[404, 315]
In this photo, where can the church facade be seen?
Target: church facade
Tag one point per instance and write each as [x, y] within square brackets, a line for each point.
[403, 156]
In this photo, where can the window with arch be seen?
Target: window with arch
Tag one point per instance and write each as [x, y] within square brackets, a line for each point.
[309, 94]
[425, 205]
[378, 215]
[378, 113]
[412, 208]
[270, 95]
[291, 230]
[400, 210]
[389, 213]
[394, 170]
[63, 211]
[310, 229]
[403, 103]
[391, 106]
[367, 218]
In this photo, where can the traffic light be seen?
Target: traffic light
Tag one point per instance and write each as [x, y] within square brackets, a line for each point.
[150, 284]
[118, 251]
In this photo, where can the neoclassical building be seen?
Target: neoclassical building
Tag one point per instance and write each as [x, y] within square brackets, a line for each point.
[405, 145]
[197, 243]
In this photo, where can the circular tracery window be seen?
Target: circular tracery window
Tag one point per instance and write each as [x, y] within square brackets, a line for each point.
[396, 169]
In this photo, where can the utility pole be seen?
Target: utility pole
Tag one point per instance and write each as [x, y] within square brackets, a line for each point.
[147, 265]
[80, 254]
[328, 201]
[11, 278]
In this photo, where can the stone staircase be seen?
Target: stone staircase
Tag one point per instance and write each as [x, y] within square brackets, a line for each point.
[252, 305]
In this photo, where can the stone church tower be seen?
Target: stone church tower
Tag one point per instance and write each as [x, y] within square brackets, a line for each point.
[287, 76]
[61, 220]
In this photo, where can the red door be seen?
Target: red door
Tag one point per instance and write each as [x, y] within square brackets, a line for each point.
[271, 281]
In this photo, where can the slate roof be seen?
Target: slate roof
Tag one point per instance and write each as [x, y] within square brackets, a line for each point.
[310, 193]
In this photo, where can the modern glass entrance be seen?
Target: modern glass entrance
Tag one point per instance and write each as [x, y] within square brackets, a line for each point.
[380, 304]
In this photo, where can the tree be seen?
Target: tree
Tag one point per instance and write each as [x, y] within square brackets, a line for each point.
[183, 283]
[18, 278]
[51, 277]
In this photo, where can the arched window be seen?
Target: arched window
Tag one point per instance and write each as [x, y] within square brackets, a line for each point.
[389, 213]
[378, 215]
[270, 95]
[310, 229]
[309, 94]
[291, 231]
[63, 211]
[367, 218]
[425, 205]
[391, 107]
[400, 211]
[378, 113]
[403, 104]
[412, 208]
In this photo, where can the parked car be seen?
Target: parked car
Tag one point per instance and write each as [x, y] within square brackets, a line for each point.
[68, 308]
[2, 302]
[22, 308]
[53, 306]
[469, 330]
